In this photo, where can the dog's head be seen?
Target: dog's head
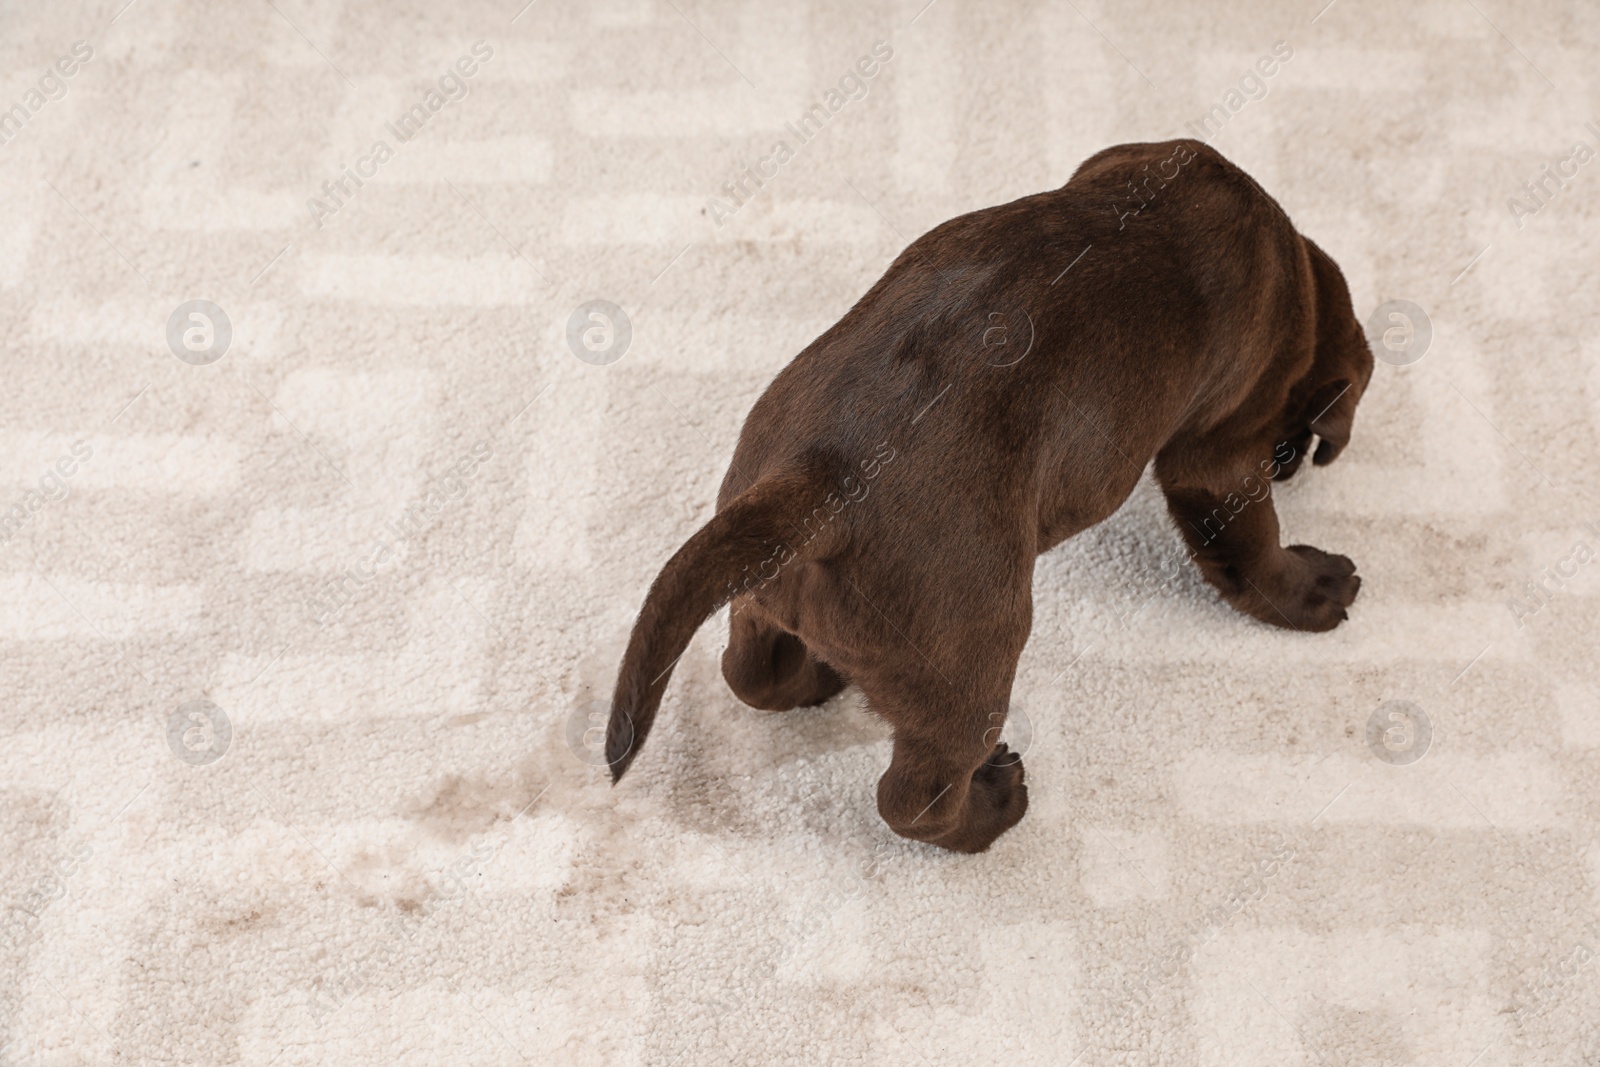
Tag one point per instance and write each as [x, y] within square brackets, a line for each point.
[1323, 403]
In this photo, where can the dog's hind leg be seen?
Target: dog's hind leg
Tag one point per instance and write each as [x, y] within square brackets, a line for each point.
[957, 792]
[951, 782]
[770, 668]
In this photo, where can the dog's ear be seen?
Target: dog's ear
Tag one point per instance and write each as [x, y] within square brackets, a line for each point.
[1343, 363]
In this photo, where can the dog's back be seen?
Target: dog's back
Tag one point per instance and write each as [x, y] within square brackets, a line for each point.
[1001, 347]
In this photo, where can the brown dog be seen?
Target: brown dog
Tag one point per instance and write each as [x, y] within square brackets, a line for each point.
[1001, 388]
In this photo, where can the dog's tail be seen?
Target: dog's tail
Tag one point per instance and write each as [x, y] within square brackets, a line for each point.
[695, 582]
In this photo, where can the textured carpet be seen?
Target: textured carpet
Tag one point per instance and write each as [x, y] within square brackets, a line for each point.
[306, 589]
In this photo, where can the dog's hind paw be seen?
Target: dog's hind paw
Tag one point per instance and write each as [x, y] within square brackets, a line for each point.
[999, 796]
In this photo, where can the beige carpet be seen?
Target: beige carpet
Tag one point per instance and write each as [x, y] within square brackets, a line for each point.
[305, 590]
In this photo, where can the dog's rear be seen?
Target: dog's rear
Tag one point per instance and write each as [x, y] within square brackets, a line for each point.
[693, 584]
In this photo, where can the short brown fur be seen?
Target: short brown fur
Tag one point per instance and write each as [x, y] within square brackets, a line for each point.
[1001, 388]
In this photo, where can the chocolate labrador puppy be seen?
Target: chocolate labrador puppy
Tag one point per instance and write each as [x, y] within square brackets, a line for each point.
[1001, 388]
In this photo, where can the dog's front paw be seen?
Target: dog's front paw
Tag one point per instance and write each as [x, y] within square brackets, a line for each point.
[1317, 587]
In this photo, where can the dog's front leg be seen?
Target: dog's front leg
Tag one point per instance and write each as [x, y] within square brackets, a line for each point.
[1232, 531]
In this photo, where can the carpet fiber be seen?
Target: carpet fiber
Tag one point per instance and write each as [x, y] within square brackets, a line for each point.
[330, 493]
